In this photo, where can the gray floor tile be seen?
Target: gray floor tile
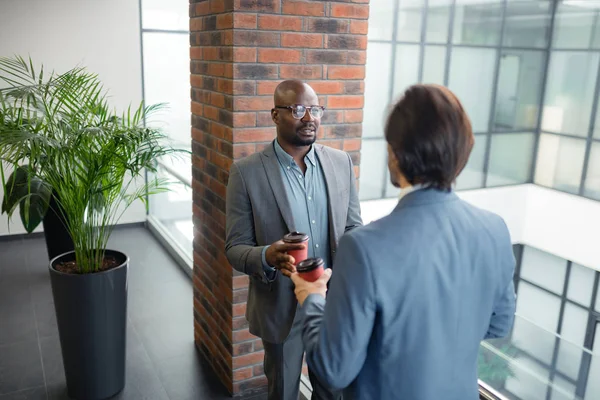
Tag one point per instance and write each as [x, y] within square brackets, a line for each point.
[18, 321]
[20, 367]
[40, 286]
[57, 391]
[52, 360]
[188, 377]
[46, 319]
[142, 382]
[175, 297]
[38, 393]
[166, 340]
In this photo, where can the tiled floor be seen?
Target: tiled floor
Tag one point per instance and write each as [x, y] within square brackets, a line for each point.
[162, 362]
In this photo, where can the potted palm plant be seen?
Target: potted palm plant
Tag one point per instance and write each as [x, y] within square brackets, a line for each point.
[59, 135]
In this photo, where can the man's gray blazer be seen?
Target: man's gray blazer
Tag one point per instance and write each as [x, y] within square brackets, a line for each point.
[259, 214]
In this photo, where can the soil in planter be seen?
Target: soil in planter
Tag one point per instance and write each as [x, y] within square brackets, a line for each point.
[70, 267]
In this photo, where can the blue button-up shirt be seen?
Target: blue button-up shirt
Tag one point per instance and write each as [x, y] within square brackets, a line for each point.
[307, 195]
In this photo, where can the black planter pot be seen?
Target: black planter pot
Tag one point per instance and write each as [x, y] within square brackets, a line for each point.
[91, 311]
[58, 240]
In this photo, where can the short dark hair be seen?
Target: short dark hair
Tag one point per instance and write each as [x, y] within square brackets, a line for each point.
[430, 135]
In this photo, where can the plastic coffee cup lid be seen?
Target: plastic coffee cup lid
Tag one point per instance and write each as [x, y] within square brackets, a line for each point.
[295, 237]
[309, 264]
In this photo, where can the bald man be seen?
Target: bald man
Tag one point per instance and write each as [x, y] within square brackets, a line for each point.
[293, 185]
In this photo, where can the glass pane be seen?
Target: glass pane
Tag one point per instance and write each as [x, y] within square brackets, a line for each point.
[438, 21]
[472, 79]
[529, 381]
[472, 176]
[407, 68]
[167, 80]
[581, 284]
[167, 15]
[434, 64]
[377, 86]
[598, 309]
[510, 158]
[381, 17]
[477, 22]
[373, 167]
[562, 389]
[574, 324]
[544, 269]
[527, 23]
[569, 359]
[570, 92]
[592, 179]
[410, 20]
[574, 26]
[592, 390]
[173, 209]
[560, 162]
[519, 90]
[542, 309]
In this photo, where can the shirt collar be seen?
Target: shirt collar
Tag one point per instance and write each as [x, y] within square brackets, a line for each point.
[286, 159]
[409, 189]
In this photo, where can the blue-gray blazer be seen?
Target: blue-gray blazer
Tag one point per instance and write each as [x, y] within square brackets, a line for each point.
[411, 297]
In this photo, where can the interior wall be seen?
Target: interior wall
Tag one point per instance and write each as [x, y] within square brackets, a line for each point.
[102, 35]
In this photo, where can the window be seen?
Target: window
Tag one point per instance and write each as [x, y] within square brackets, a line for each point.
[409, 20]
[378, 76]
[167, 80]
[574, 26]
[560, 162]
[519, 90]
[543, 269]
[434, 61]
[405, 73]
[166, 61]
[472, 80]
[513, 75]
[527, 23]
[372, 169]
[472, 176]
[581, 284]
[478, 23]
[592, 179]
[510, 158]
[570, 92]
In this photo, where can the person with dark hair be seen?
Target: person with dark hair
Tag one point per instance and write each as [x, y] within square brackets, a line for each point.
[298, 185]
[414, 293]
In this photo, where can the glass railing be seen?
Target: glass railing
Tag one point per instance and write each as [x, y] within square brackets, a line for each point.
[533, 363]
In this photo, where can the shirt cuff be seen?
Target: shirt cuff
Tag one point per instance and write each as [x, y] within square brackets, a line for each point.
[270, 272]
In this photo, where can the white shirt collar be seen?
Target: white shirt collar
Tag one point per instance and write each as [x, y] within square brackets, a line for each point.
[409, 189]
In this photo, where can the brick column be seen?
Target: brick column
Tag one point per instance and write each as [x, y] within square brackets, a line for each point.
[240, 50]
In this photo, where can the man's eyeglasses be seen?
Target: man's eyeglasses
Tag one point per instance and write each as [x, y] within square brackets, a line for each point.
[299, 111]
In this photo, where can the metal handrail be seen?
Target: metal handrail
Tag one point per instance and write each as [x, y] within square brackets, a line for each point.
[176, 174]
[486, 392]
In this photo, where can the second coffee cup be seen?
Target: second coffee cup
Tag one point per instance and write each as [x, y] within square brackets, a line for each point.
[297, 238]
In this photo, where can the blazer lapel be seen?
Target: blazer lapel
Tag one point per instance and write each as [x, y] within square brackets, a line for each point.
[272, 169]
[332, 191]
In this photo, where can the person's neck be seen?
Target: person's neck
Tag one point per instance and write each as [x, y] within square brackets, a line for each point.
[297, 152]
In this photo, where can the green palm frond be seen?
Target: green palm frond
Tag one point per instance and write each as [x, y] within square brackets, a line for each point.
[63, 127]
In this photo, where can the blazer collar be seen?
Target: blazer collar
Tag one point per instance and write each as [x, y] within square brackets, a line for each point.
[426, 196]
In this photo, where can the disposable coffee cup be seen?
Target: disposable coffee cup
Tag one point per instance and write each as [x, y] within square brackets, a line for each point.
[311, 269]
[297, 238]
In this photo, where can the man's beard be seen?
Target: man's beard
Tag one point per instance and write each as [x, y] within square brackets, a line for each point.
[298, 140]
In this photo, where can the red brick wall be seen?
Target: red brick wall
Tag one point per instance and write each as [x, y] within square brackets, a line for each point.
[240, 50]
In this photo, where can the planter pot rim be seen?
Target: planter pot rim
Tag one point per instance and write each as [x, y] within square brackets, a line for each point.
[124, 264]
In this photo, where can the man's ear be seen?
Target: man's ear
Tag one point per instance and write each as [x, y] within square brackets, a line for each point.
[275, 116]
